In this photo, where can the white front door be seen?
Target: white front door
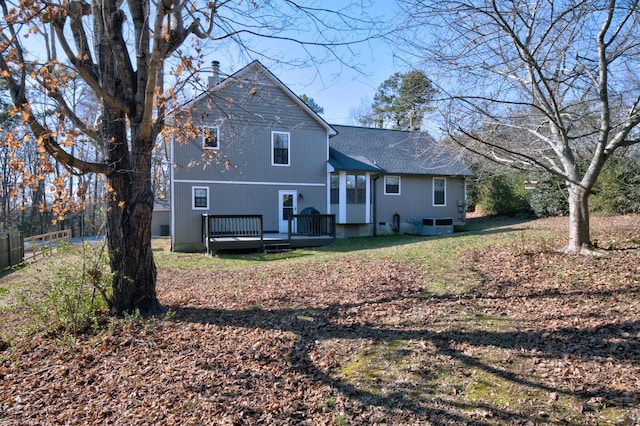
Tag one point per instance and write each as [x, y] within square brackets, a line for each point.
[287, 204]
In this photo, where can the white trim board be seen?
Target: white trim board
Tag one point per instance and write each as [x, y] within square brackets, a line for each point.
[239, 182]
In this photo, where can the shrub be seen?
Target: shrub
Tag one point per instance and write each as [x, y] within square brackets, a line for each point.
[75, 297]
[617, 190]
[549, 198]
[27, 227]
[504, 195]
[473, 193]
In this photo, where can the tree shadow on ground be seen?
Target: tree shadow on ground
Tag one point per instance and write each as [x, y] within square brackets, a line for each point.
[613, 341]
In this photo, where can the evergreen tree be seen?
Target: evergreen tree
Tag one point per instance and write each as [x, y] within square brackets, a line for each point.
[401, 101]
[312, 104]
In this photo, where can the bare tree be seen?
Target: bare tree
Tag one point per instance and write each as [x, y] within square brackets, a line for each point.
[8, 176]
[119, 49]
[538, 85]
[362, 115]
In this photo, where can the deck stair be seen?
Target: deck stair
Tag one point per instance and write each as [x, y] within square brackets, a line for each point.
[276, 247]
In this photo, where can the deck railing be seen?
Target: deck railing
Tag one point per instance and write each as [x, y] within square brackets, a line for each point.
[312, 225]
[220, 226]
[221, 232]
[230, 226]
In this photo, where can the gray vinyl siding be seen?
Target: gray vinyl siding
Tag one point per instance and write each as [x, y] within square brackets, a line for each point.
[241, 179]
[246, 121]
[357, 213]
[249, 158]
[227, 198]
[160, 219]
[231, 199]
[240, 176]
[416, 199]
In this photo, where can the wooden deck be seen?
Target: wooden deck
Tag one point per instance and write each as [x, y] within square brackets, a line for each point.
[244, 232]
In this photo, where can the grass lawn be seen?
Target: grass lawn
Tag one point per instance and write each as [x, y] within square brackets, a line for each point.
[490, 326]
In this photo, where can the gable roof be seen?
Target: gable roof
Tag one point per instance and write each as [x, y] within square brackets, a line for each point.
[392, 152]
[247, 73]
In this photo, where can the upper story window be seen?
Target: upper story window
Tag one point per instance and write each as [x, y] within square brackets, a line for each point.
[200, 198]
[439, 191]
[211, 137]
[280, 153]
[392, 185]
[356, 189]
[335, 188]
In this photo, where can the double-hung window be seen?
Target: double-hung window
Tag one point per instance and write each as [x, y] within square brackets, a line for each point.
[200, 198]
[280, 150]
[335, 188]
[439, 191]
[356, 189]
[392, 185]
[210, 137]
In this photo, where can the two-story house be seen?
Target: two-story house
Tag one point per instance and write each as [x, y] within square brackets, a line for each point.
[259, 149]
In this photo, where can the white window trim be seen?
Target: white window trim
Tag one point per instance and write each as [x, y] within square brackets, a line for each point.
[273, 163]
[399, 185]
[210, 128]
[433, 192]
[193, 197]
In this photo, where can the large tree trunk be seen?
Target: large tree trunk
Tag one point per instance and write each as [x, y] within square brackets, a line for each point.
[129, 217]
[129, 238]
[129, 156]
[579, 238]
[129, 226]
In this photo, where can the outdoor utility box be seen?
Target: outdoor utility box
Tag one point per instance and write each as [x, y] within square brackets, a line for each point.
[436, 226]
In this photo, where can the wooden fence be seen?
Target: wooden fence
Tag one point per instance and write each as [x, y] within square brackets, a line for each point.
[11, 250]
[40, 245]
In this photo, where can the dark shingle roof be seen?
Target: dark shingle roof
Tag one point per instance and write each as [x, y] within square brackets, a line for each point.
[339, 161]
[392, 152]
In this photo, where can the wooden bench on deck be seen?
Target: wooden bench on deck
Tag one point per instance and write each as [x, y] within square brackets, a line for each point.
[244, 232]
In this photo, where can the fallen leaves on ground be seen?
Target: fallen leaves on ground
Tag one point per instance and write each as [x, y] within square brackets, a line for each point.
[537, 337]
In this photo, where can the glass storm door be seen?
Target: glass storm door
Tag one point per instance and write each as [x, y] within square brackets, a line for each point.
[287, 204]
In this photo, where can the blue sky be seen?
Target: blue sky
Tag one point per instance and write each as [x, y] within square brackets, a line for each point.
[337, 88]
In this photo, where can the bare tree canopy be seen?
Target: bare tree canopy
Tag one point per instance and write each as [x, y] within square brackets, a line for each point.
[120, 50]
[539, 85]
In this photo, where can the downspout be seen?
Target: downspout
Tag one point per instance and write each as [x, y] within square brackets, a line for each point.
[373, 202]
